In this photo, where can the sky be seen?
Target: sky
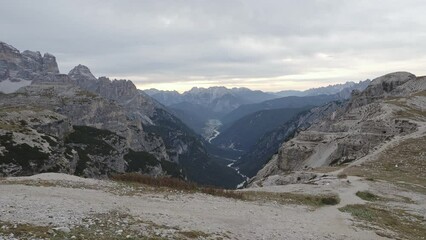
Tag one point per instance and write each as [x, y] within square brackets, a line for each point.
[269, 45]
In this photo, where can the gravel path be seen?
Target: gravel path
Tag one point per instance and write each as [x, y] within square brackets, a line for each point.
[67, 206]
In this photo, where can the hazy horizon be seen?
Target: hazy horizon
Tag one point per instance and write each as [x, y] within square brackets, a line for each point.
[269, 46]
[218, 86]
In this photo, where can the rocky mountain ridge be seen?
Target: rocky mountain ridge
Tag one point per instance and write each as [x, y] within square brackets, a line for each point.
[209, 97]
[199, 105]
[18, 70]
[391, 106]
[346, 87]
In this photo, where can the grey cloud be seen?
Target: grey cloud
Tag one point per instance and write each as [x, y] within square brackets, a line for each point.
[165, 41]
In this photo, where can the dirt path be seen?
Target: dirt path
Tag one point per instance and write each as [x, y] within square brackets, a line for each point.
[68, 206]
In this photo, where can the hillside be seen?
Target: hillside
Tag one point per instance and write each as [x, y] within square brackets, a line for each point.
[285, 102]
[390, 109]
[245, 132]
[257, 156]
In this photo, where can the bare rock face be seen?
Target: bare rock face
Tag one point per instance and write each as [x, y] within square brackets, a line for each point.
[139, 107]
[123, 92]
[26, 65]
[49, 64]
[64, 129]
[382, 87]
[21, 69]
[83, 77]
[392, 105]
[8, 52]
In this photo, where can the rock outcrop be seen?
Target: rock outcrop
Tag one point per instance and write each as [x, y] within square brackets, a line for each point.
[18, 70]
[392, 105]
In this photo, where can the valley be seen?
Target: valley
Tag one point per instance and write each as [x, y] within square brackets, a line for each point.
[212, 120]
[211, 129]
[116, 162]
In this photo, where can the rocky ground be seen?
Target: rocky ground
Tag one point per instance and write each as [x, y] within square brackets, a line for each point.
[58, 206]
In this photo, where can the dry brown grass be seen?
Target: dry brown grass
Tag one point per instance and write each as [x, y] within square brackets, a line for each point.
[405, 225]
[403, 164]
[421, 94]
[167, 183]
[342, 176]
[291, 198]
[180, 185]
[408, 110]
[173, 183]
[23, 231]
[194, 234]
[368, 196]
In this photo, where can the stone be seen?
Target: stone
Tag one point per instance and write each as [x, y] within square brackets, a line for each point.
[62, 229]
[49, 64]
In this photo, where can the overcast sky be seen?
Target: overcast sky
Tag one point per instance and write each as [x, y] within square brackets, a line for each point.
[267, 45]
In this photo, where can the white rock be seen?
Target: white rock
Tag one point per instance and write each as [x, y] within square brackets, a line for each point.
[62, 229]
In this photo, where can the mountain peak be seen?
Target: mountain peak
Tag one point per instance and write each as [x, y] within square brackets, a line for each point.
[386, 84]
[4, 47]
[8, 52]
[49, 64]
[81, 71]
[33, 55]
[395, 79]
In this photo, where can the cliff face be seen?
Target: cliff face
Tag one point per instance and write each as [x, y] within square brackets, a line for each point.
[25, 66]
[21, 69]
[392, 105]
[51, 121]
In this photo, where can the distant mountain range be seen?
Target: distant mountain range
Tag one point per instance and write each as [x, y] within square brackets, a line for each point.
[328, 90]
[210, 97]
[196, 106]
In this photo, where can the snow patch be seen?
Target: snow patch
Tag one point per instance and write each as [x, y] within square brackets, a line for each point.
[8, 86]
